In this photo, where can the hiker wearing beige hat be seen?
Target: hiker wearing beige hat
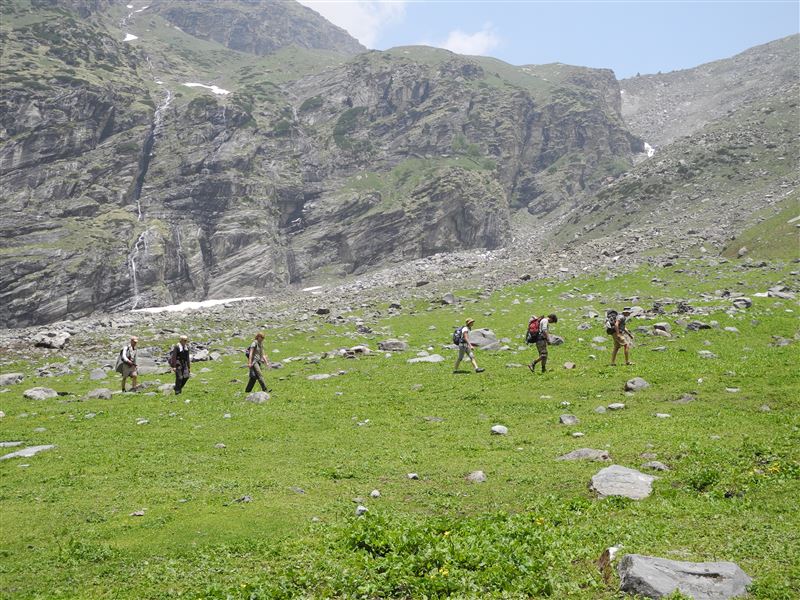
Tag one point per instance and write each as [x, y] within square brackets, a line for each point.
[126, 363]
[465, 348]
[181, 363]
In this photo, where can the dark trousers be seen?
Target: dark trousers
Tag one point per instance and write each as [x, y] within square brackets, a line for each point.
[255, 375]
[180, 381]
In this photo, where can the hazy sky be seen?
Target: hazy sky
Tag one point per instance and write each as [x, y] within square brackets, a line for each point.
[644, 36]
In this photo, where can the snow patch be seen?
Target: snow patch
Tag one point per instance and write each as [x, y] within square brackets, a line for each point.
[129, 37]
[190, 305]
[141, 9]
[312, 288]
[213, 88]
[129, 6]
[649, 150]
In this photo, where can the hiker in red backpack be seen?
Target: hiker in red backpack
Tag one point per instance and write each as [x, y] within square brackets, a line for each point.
[538, 333]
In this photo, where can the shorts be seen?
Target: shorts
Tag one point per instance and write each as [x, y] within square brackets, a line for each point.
[623, 339]
[129, 370]
[464, 350]
[541, 346]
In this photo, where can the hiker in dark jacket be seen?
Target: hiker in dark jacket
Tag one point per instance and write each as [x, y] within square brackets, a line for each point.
[542, 340]
[255, 358]
[181, 363]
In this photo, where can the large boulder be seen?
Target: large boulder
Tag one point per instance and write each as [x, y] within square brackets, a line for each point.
[636, 384]
[258, 397]
[484, 339]
[40, 393]
[51, 339]
[622, 481]
[101, 393]
[393, 346]
[11, 378]
[652, 577]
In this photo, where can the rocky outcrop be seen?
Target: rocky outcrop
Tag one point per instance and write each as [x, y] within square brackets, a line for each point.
[258, 27]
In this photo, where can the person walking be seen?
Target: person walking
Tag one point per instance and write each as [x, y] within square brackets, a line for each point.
[542, 340]
[465, 348]
[623, 338]
[181, 363]
[255, 358]
[128, 363]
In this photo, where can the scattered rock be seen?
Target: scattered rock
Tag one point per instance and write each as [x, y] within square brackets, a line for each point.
[636, 384]
[11, 379]
[97, 374]
[653, 577]
[258, 397]
[28, 452]
[662, 326]
[51, 339]
[742, 302]
[319, 376]
[361, 510]
[244, 499]
[433, 358]
[101, 393]
[137, 513]
[697, 325]
[476, 477]
[393, 346]
[201, 355]
[374, 494]
[663, 415]
[448, 298]
[568, 420]
[655, 465]
[569, 365]
[685, 399]
[586, 454]
[499, 430]
[413, 476]
[220, 446]
[706, 354]
[40, 393]
[484, 339]
[622, 481]
[433, 419]
[616, 406]
[600, 410]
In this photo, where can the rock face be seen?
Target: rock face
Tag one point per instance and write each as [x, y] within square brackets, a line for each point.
[652, 577]
[622, 481]
[336, 162]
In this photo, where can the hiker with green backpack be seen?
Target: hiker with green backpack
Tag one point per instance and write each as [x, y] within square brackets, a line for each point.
[538, 333]
[465, 348]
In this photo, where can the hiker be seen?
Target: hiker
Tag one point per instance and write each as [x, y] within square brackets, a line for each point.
[181, 363]
[127, 359]
[256, 356]
[623, 338]
[542, 340]
[465, 348]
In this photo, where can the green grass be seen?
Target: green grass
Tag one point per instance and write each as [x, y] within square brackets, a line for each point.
[774, 237]
[532, 530]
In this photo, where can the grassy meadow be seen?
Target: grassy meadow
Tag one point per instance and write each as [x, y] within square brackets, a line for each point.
[272, 514]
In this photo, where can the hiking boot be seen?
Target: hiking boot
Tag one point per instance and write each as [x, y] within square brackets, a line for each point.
[479, 370]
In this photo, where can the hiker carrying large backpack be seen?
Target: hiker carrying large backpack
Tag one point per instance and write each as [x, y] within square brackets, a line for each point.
[461, 339]
[623, 338]
[126, 362]
[539, 328]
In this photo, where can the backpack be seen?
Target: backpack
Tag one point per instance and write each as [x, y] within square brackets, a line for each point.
[119, 363]
[532, 334]
[173, 357]
[458, 338]
[611, 320]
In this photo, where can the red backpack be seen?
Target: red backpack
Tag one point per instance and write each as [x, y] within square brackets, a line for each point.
[533, 330]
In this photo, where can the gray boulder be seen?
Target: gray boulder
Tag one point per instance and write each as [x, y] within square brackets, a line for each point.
[97, 374]
[636, 384]
[258, 397]
[742, 302]
[27, 452]
[393, 346]
[11, 379]
[555, 340]
[448, 298]
[706, 354]
[476, 477]
[653, 577]
[499, 430]
[622, 481]
[568, 420]
[51, 339]
[586, 454]
[433, 358]
[40, 393]
[201, 355]
[484, 339]
[101, 393]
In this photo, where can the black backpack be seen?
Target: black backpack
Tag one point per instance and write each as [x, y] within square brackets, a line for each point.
[611, 320]
[458, 339]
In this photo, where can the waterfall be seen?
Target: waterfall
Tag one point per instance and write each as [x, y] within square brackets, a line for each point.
[140, 247]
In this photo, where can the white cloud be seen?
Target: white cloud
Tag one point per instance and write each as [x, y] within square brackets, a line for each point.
[478, 43]
[364, 20]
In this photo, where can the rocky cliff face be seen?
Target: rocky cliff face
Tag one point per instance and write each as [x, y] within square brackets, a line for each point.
[662, 108]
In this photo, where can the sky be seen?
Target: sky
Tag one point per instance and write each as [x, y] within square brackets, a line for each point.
[630, 37]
